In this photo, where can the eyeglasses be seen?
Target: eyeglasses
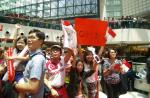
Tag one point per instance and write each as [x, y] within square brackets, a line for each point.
[33, 37]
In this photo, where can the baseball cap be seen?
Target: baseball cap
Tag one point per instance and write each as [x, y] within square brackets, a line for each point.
[53, 47]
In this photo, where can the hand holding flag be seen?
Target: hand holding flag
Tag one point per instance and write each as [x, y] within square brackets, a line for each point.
[117, 67]
[125, 65]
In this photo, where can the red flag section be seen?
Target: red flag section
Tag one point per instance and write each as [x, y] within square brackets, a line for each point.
[91, 31]
[66, 23]
[117, 67]
[110, 34]
[10, 66]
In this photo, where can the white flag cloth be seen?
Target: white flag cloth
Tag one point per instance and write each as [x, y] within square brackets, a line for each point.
[70, 38]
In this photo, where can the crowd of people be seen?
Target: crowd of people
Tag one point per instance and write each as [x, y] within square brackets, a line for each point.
[128, 22]
[58, 72]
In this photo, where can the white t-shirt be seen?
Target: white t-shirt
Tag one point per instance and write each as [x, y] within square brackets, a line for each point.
[21, 66]
[94, 76]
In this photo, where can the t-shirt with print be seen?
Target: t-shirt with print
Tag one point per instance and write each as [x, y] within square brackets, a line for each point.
[114, 76]
[56, 73]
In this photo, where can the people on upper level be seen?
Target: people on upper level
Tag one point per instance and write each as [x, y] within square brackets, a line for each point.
[128, 22]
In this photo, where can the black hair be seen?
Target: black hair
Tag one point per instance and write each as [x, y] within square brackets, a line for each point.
[77, 61]
[55, 47]
[20, 37]
[87, 52]
[109, 50]
[75, 79]
[39, 34]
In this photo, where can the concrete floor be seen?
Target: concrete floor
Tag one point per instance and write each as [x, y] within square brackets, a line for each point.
[133, 94]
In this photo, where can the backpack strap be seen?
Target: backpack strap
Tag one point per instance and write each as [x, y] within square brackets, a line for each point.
[37, 54]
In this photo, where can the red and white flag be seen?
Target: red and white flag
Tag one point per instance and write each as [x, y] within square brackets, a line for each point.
[125, 65]
[110, 34]
[1, 27]
[70, 38]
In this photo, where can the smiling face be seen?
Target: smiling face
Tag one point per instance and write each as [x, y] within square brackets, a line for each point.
[20, 44]
[79, 66]
[112, 54]
[55, 53]
[89, 57]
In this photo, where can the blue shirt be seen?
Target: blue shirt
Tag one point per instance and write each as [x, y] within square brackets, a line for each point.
[35, 69]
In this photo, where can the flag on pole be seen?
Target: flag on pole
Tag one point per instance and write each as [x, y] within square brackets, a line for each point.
[70, 38]
[91, 31]
[110, 34]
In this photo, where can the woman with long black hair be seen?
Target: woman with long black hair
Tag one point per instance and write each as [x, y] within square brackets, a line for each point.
[77, 87]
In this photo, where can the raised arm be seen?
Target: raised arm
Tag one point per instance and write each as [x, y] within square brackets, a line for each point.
[16, 33]
[101, 51]
[80, 52]
[68, 55]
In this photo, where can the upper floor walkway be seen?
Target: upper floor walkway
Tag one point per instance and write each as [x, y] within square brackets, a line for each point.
[131, 36]
[134, 34]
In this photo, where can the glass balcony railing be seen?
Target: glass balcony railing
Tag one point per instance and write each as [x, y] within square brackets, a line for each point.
[129, 24]
[113, 24]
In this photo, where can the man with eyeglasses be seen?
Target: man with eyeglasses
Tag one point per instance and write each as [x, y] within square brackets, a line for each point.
[33, 85]
[55, 72]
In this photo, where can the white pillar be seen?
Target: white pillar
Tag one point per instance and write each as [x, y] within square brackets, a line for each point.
[102, 9]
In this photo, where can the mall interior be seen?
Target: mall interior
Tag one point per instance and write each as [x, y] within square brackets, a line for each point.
[130, 19]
